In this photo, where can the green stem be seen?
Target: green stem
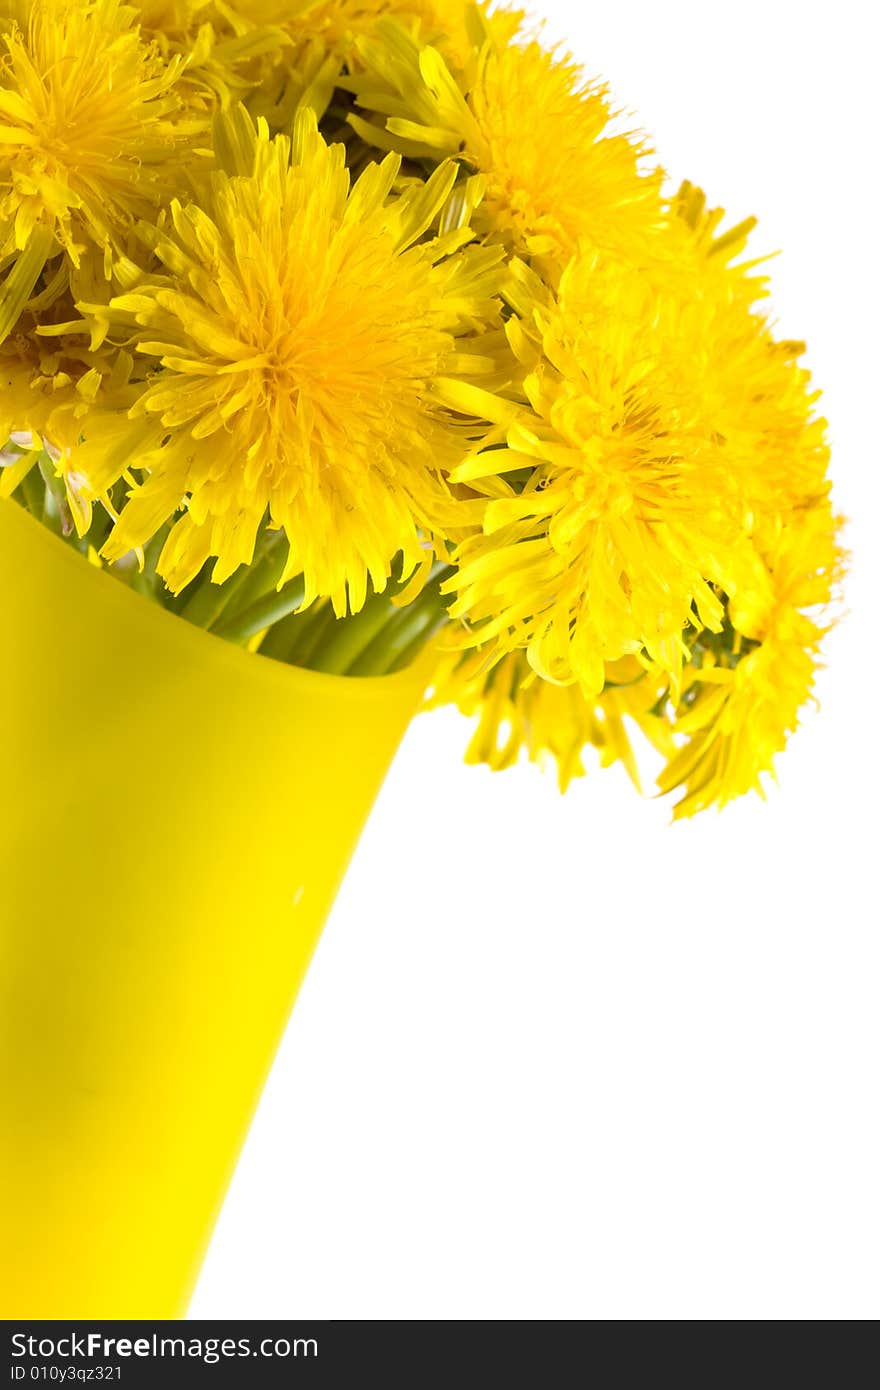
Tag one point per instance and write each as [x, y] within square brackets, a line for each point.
[55, 512]
[407, 655]
[33, 492]
[351, 636]
[281, 639]
[147, 581]
[208, 601]
[267, 611]
[302, 636]
[406, 631]
[254, 582]
[97, 532]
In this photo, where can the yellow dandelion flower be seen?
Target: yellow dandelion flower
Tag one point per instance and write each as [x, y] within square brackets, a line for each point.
[89, 138]
[22, 417]
[553, 177]
[754, 389]
[456, 27]
[49, 382]
[325, 37]
[278, 54]
[743, 699]
[23, 411]
[610, 514]
[666, 437]
[759, 400]
[516, 711]
[227, 54]
[295, 338]
[337, 22]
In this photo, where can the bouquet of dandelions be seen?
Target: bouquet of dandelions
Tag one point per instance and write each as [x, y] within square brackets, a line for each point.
[329, 325]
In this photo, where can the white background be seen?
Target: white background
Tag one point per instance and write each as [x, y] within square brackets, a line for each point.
[556, 1058]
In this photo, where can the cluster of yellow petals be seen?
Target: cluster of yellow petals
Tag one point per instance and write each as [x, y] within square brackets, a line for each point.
[273, 53]
[612, 544]
[541, 136]
[451, 25]
[518, 712]
[391, 280]
[298, 325]
[92, 139]
[655, 490]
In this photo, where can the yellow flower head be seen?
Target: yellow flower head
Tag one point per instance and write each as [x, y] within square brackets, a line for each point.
[89, 138]
[755, 393]
[531, 125]
[516, 711]
[665, 439]
[295, 338]
[270, 52]
[226, 55]
[609, 515]
[742, 698]
[339, 22]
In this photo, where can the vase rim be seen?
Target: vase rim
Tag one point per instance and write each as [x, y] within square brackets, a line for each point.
[412, 677]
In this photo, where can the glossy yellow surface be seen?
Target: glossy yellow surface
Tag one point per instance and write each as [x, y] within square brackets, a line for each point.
[176, 818]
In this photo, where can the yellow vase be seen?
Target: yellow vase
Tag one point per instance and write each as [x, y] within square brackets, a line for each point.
[176, 818]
